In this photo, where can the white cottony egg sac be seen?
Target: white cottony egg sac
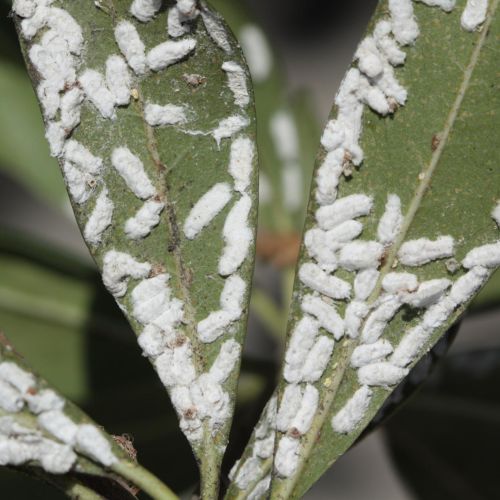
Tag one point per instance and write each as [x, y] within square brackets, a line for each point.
[315, 278]
[349, 417]
[168, 53]
[206, 209]
[170, 114]
[238, 237]
[474, 14]
[100, 219]
[422, 251]
[143, 222]
[131, 46]
[145, 10]
[131, 169]
[237, 82]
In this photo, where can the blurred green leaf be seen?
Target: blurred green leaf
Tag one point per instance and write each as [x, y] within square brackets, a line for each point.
[24, 153]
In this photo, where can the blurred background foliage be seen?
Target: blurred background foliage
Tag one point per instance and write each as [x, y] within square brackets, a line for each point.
[56, 312]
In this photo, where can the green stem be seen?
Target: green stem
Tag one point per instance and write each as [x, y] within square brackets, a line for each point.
[79, 492]
[144, 480]
[210, 462]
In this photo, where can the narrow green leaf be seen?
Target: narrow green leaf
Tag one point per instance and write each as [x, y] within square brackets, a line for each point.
[159, 157]
[41, 430]
[407, 182]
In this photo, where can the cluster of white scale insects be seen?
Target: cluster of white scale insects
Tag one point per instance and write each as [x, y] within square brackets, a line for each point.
[333, 244]
[52, 439]
[57, 56]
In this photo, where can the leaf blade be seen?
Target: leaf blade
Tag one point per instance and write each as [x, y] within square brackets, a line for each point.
[396, 152]
[147, 189]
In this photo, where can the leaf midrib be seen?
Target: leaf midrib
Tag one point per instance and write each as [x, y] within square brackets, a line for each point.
[285, 488]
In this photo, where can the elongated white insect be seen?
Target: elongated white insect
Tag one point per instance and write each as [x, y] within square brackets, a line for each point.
[344, 209]
[380, 317]
[237, 82]
[70, 109]
[206, 209]
[404, 24]
[381, 374]
[329, 175]
[229, 127]
[325, 313]
[364, 283]
[92, 443]
[131, 169]
[386, 44]
[241, 162]
[168, 53]
[143, 222]
[361, 255]
[231, 302]
[423, 251]
[350, 416]
[315, 278]
[370, 353]
[355, 314]
[302, 420]
[391, 221]
[317, 360]
[131, 46]
[428, 293]
[410, 346]
[287, 456]
[80, 156]
[170, 114]
[94, 86]
[216, 30]
[118, 267]
[301, 342]
[79, 183]
[485, 256]
[100, 218]
[118, 79]
[152, 303]
[474, 14]
[238, 237]
[399, 282]
[290, 404]
[145, 10]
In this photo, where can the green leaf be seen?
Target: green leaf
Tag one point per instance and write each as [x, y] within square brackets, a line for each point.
[43, 433]
[159, 158]
[436, 151]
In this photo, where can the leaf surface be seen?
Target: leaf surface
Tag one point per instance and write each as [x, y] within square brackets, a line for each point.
[47, 436]
[160, 161]
[408, 165]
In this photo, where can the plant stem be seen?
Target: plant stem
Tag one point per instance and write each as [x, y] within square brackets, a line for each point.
[79, 492]
[210, 462]
[143, 479]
